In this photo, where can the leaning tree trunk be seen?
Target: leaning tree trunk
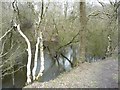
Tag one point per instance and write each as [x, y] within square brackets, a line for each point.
[29, 54]
[82, 30]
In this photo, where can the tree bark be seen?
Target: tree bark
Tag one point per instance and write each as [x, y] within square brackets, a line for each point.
[41, 57]
[35, 60]
[82, 30]
[29, 54]
[41, 43]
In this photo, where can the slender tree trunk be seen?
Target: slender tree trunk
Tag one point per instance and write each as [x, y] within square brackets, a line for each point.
[41, 56]
[65, 8]
[35, 59]
[13, 76]
[40, 35]
[82, 30]
[29, 54]
[74, 57]
[12, 62]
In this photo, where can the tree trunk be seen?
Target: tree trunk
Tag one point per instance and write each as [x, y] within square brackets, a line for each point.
[41, 57]
[29, 54]
[40, 35]
[82, 30]
[65, 9]
[109, 47]
[35, 59]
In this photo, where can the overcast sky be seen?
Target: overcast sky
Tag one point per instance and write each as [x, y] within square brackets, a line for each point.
[96, 1]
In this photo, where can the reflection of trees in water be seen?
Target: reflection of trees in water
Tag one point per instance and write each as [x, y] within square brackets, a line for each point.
[52, 68]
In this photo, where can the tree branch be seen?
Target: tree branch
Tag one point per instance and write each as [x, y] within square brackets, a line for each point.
[69, 41]
[67, 59]
[6, 33]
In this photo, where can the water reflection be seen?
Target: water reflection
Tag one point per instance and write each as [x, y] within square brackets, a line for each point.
[52, 69]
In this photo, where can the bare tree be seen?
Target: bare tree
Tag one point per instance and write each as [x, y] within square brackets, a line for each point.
[29, 53]
[41, 43]
[17, 22]
[39, 34]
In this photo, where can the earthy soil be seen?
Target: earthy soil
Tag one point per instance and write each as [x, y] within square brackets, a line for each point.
[100, 74]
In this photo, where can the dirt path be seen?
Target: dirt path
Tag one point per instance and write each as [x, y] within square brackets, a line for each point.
[102, 74]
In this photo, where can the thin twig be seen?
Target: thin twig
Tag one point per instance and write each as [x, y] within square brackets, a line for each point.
[12, 72]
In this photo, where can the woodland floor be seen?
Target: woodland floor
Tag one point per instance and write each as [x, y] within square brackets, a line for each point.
[101, 74]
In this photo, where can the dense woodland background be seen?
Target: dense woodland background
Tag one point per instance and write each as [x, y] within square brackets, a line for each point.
[62, 25]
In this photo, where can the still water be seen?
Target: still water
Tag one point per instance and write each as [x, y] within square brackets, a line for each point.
[52, 70]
